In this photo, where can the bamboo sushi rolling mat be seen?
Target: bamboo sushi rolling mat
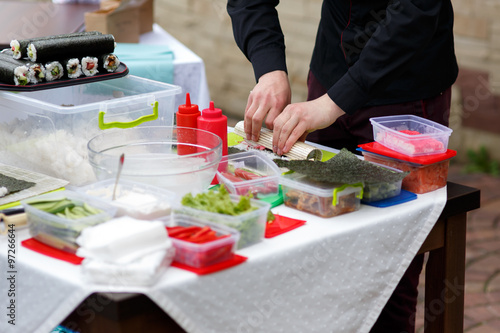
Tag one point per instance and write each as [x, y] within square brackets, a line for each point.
[43, 184]
[299, 151]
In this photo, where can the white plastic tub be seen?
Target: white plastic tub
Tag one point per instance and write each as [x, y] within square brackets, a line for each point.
[47, 131]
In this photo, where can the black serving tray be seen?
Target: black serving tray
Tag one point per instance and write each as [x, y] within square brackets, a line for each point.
[121, 71]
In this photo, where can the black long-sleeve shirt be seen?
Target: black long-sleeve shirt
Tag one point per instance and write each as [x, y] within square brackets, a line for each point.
[367, 52]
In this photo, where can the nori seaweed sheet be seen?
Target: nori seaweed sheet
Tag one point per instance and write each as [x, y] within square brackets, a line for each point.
[234, 150]
[343, 168]
[23, 43]
[14, 184]
[69, 47]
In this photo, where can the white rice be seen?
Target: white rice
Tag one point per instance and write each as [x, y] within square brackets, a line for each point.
[74, 63]
[36, 73]
[21, 71]
[115, 65]
[32, 52]
[16, 48]
[89, 61]
[51, 66]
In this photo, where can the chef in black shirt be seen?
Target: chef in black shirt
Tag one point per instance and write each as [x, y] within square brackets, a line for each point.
[371, 58]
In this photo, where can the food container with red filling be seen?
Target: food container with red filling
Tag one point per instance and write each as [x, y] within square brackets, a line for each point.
[427, 173]
[411, 135]
[194, 251]
[249, 172]
[320, 198]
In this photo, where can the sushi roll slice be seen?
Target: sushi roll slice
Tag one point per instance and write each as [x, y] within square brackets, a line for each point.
[72, 68]
[77, 46]
[53, 71]
[89, 66]
[36, 73]
[109, 62]
[12, 73]
[19, 47]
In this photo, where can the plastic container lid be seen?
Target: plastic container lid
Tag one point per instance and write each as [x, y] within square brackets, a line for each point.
[377, 148]
[303, 183]
[266, 184]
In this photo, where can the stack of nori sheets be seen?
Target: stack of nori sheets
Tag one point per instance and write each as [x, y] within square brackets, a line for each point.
[58, 56]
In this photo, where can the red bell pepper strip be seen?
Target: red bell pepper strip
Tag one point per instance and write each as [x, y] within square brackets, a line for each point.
[201, 232]
[246, 174]
[210, 236]
[184, 230]
[232, 177]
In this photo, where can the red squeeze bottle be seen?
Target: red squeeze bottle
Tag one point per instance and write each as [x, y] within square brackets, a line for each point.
[214, 121]
[187, 116]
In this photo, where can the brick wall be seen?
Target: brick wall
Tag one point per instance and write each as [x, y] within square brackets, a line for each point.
[477, 91]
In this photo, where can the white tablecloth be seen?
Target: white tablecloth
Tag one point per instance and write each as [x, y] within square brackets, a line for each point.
[189, 69]
[330, 275]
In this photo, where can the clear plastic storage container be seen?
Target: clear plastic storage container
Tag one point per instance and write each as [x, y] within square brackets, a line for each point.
[319, 198]
[251, 225]
[204, 254]
[411, 135]
[61, 232]
[249, 172]
[423, 178]
[138, 200]
[47, 131]
[381, 190]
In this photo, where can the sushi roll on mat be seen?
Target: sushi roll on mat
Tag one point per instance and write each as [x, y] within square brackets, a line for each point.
[89, 66]
[78, 46]
[53, 71]
[72, 68]
[109, 62]
[36, 73]
[19, 47]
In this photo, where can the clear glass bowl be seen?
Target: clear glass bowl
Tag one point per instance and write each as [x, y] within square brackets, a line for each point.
[179, 159]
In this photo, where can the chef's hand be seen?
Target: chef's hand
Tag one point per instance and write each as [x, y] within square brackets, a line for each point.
[299, 119]
[267, 99]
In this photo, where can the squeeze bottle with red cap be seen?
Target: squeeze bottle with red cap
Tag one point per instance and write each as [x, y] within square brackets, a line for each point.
[187, 116]
[214, 121]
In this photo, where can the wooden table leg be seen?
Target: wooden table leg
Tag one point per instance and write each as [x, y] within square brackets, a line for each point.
[445, 280]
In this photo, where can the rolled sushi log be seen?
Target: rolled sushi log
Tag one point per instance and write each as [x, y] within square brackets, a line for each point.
[109, 62]
[19, 47]
[36, 71]
[72, 68]
[53, 70]
[71, 47]
[89, 66]
[12, 73]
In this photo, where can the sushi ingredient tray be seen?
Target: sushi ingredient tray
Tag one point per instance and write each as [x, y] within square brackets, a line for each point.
[121, 71]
